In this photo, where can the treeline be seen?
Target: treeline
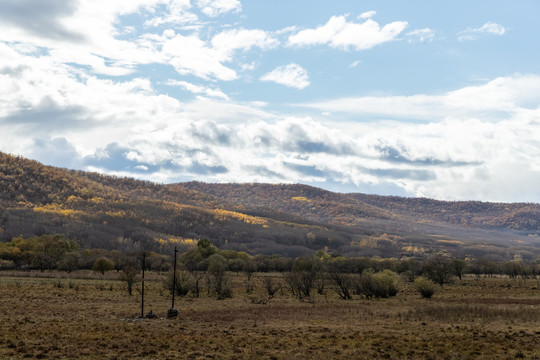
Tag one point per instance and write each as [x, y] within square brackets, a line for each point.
[517, 216]
[56, 252]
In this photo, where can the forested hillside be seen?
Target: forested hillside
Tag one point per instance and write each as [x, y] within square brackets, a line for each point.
[121, 213]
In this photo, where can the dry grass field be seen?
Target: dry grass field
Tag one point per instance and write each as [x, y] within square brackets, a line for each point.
[87, 317]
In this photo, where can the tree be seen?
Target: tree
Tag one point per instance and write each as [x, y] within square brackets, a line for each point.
[129, 273]
[249, 267]
[439, 269]
[514, 269]
[217, 267]
[70, 261]
[302, 277]
[342, 284]
[103, 264]
[458, 267]
[193, 257]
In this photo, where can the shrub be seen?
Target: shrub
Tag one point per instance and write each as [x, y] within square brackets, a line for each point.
[183, 283]
[425, 287]
[387, 283]
[381, 285]
[217, 266]
[103, 264]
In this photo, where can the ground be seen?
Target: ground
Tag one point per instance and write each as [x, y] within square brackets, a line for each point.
[88, 316]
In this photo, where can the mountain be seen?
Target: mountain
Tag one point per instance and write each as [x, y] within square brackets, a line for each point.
[122, 213]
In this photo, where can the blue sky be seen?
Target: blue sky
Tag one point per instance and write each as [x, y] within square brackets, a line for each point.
[416, 98]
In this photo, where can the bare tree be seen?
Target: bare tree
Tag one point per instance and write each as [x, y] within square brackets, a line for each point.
[129, 273]
[342, 284]
[303, 275]
[217, 267]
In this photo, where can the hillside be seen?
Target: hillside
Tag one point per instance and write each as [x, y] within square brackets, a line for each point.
[125, 214]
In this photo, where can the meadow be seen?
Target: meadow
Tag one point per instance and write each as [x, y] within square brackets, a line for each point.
[83, 315]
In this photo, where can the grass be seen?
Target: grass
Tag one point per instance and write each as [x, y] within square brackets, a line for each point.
[86, 317]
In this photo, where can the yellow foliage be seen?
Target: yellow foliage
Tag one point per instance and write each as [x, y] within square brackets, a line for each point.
[221, 214]
[301, 198]
[96, 200]
[177, 241]
[451, 242]
[54, 209]
[413, 249]
[73, 198]
[119, 213]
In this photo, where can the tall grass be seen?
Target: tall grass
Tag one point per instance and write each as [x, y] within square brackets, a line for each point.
[475, 312]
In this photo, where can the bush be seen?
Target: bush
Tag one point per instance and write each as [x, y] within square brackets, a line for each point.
[183, 282]
[102, 265]
[7, 264]
[387, 283]
[217, 266]
[425, 287]
[381, 285]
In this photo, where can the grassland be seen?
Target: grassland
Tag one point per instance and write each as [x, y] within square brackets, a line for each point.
[86, 316]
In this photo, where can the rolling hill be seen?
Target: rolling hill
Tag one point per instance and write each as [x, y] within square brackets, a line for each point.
[122, 213]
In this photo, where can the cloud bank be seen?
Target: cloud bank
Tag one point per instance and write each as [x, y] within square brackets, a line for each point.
[158, 99]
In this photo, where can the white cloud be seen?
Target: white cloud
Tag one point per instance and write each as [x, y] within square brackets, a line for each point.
[367, 14]
[191, 55]
[476, 142]
[198, 89]
[178, 14]
[291, 75]
[422, 35]
[339, 33]
[215, 8]
[461, 154]
[105, 53]
[229, 41]
[493, 101]
[488, 28]
[69, 35]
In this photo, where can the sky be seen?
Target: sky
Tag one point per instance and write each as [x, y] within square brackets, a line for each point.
[410, 98]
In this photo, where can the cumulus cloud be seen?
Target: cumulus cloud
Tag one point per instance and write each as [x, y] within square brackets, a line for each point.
[215, 8]
[218, 141]
[61, 29]
[198, 89]
[367, 14]
[228, 41]
[489, 28]
[178, 14]
[342, 34]
[71, 97]
[291, 75]
[191, 55]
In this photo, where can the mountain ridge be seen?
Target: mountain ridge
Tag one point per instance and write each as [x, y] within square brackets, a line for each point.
[288, 219]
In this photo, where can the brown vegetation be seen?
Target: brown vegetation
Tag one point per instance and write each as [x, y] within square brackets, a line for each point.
[292, 220]
[69, 317]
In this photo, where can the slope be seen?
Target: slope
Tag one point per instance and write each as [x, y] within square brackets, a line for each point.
[126, 214]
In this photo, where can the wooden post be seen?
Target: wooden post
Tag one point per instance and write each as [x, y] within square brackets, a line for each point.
[172, 311]
[142, 292]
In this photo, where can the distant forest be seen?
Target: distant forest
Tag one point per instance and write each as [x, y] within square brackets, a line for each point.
[123, 214]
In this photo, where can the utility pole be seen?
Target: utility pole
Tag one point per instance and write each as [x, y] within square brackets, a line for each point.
[142, 292]
[172, 312]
